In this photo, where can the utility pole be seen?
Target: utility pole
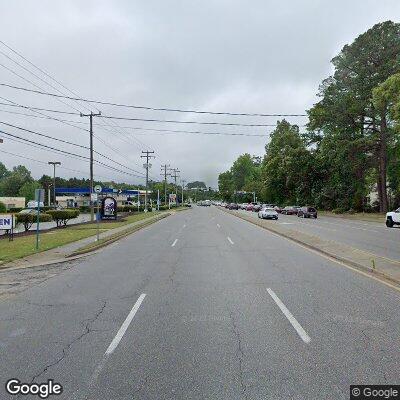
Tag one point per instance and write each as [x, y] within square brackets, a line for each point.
[147, 156]
[91, 115]
[164, 168]
[54, 163]
[175, 175]
[183, 188]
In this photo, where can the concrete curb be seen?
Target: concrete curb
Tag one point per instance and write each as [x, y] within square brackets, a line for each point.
[112, 239]
[93, 250]
[371, 272]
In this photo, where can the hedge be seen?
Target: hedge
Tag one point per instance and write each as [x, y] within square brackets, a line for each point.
[63, 216]
[29, 219]
[3, 207]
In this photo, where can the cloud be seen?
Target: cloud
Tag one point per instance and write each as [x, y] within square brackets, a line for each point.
[259, 56]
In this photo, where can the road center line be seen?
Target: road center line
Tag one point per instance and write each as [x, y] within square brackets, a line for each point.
[230, 240]
[113, 345]
[299, 329]
[218, 226]
[173, 244]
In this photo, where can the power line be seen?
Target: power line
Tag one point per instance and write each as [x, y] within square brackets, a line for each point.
[178, 110]
[77, 99]
[45, 163]
[67, 142]
[168, 121]
[68, 153]
[162, 131]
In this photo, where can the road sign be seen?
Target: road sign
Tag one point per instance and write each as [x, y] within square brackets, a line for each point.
[7, 222]
[98, 189]
[39, 195]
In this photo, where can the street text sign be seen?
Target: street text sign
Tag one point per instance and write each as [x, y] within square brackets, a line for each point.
[7, 221]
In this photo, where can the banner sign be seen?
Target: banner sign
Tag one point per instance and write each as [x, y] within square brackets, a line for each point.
[7, 222]
[109, 208]
[172, 198]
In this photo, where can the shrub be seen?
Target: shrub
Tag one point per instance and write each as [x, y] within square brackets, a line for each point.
[29, 219]
[339, 210]
[84, 209]
[14, 209]
[3, 207]
[126, 208]
[63, 216]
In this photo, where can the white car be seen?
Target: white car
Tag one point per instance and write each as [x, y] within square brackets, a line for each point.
[393, 218]
[267, 213]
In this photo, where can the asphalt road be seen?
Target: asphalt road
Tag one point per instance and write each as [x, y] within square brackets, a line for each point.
[202, 305]
[373, 237]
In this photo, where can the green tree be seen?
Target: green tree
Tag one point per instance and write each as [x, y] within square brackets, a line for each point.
[346, 112]
[27, 190]
[12, 184]
[225, 185]
[288, 171]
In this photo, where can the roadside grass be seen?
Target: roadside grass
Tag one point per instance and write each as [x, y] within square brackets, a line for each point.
[370, 217]
[26, 245]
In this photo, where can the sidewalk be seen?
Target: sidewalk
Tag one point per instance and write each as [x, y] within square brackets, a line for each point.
[62, 253]
[382, 267]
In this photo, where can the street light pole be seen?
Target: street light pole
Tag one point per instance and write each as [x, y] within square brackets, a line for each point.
[54, 163]
[91, 115]
[183, 188]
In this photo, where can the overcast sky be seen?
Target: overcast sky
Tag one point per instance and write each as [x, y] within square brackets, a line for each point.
[224, 55]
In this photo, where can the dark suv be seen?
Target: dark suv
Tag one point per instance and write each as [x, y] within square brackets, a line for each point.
[307, 212]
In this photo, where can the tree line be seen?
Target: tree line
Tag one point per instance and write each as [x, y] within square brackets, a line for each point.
[18, 182]
[350, 149]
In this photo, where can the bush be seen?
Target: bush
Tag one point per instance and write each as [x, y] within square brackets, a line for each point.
[29, 219]
[14, 209]
[339, 210]
[84, 209]
[63, 216]
[126, 208]
[3, 207]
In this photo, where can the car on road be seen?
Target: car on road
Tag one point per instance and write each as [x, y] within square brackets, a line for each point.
[307, 212]
[393, 218]
[233, 206]
[289, 210]
[268, 213]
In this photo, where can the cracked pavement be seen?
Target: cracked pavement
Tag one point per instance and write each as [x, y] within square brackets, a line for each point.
[207, 328]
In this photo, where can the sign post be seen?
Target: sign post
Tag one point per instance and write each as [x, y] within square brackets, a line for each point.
[97, 190]
[39, 197]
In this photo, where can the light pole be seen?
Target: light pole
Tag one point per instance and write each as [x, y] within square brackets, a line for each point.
[54, 163]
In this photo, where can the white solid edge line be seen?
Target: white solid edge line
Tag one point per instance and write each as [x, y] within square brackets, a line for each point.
[230, 240]
[299, 329]
[113, 345]
[173, 244]
[218, 226]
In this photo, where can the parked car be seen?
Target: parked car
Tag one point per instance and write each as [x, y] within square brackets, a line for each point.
[249, 207]
[34, 204]
[289, 210]
[233, 206]
[307, 212]
[393, 218]
[268, 213]
[277, 209]
[256, 207]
